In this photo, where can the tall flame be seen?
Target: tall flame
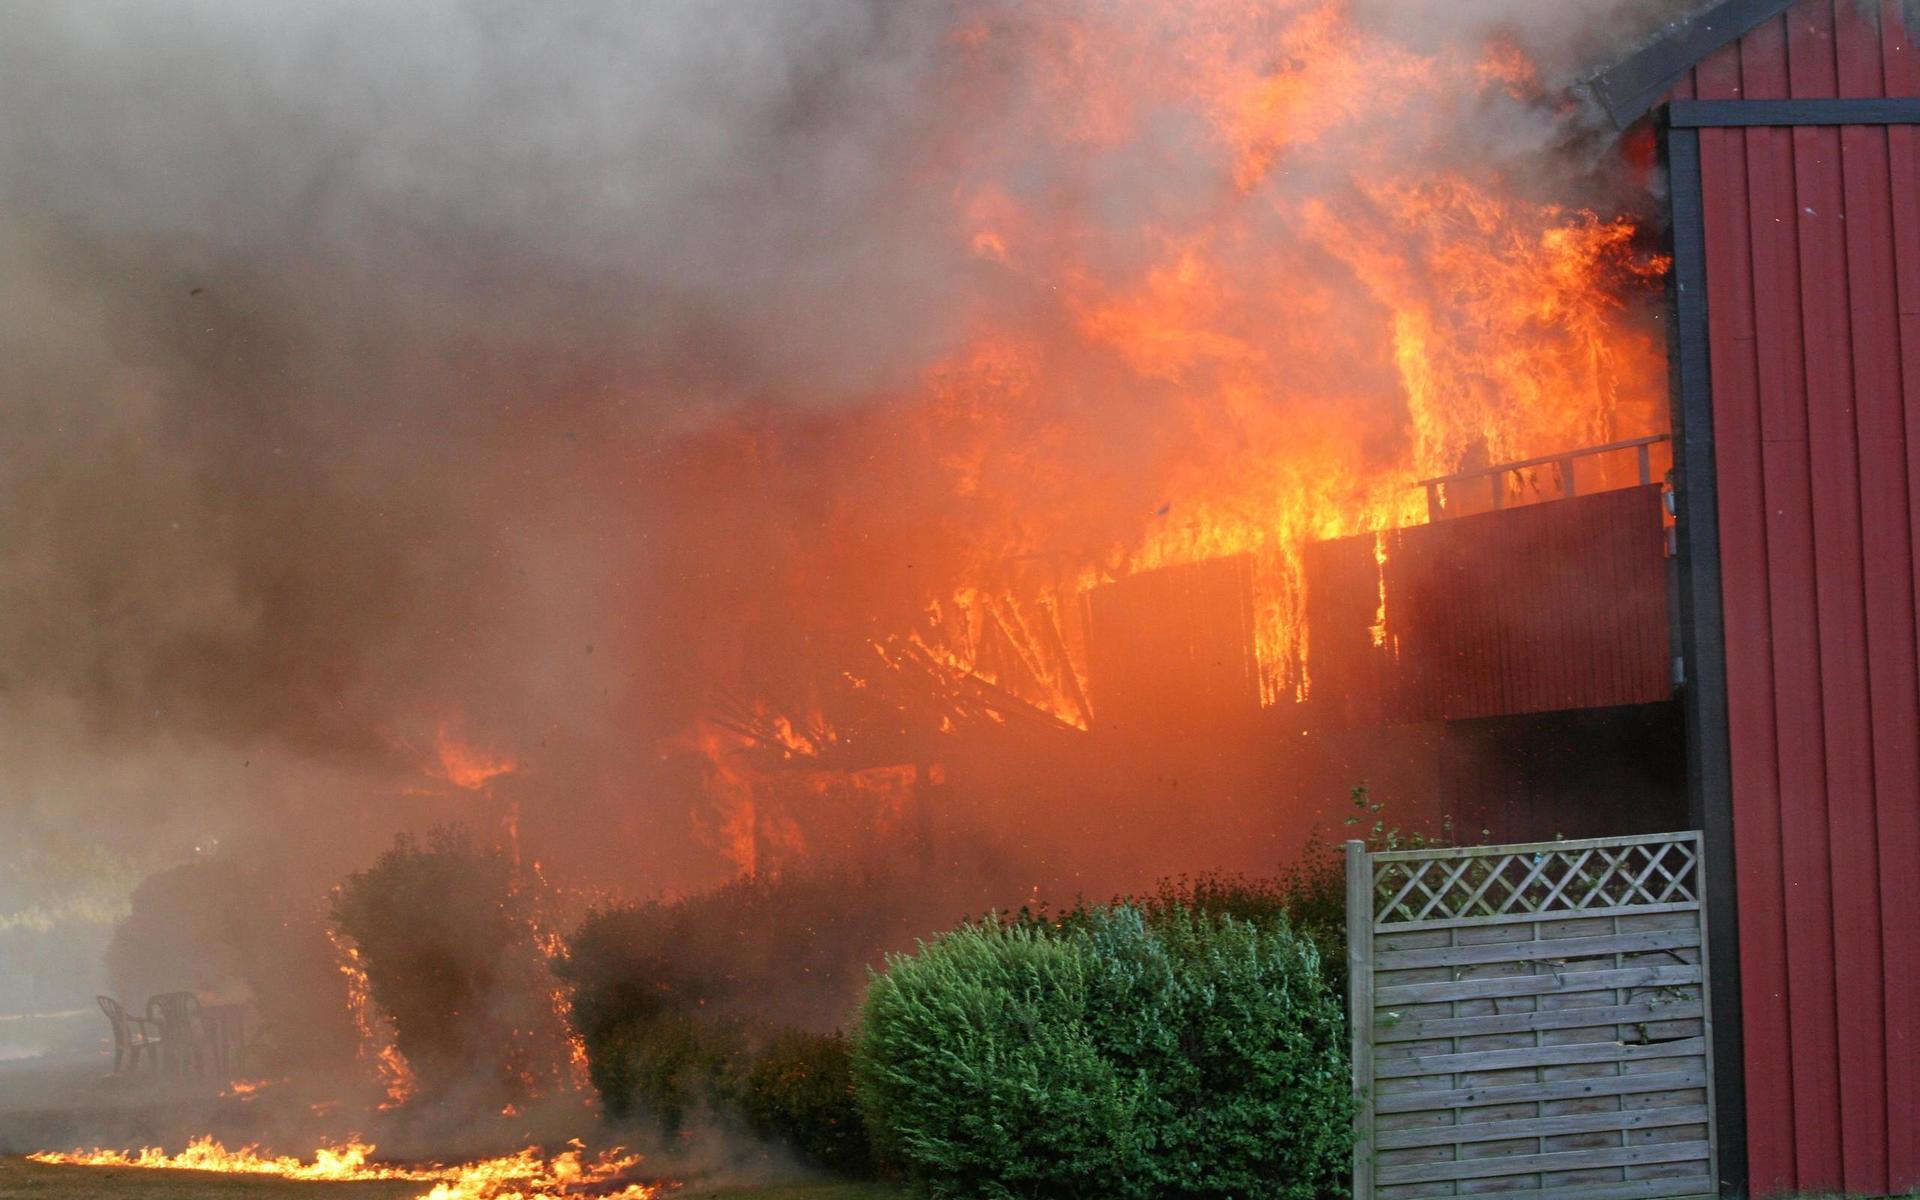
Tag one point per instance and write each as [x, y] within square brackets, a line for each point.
[374, 1037]
[1241, 276]
[1343, 318]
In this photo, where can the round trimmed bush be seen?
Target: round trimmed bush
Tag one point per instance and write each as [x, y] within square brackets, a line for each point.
[1190, 1055]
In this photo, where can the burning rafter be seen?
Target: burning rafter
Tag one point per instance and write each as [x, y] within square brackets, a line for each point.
[899, 703]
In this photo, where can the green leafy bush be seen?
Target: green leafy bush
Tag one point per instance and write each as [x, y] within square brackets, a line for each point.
[1308, 895]
[1127, 1052]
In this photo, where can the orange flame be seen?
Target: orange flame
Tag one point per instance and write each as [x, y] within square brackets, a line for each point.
[374, 1036]
[1322, 344]
[528, 1175]
[466, 765]
[347, 1160]
[245, 1089]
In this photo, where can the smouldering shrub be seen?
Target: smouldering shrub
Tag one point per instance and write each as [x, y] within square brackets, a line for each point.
[781, 1085]
[684, 1007]
[1190, 1055]
[797, 1088]
[788, 950]
[446, 940]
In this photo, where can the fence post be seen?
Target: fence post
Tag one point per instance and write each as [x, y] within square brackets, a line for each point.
[1360, 1011]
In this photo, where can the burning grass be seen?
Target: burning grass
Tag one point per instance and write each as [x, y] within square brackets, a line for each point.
[24, 1179]
[528, 1175]
[21, 1179]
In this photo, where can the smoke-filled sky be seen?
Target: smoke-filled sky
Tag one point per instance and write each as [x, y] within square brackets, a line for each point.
[353, 357]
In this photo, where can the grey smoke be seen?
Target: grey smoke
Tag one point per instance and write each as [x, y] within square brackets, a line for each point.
[336, 341]
[342, 346]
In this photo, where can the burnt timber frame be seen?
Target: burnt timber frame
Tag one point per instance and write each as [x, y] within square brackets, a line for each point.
[1702, 626]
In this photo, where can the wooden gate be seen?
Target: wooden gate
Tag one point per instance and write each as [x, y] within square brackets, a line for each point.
[1531, 1020]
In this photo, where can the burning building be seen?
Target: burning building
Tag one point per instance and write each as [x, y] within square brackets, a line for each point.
[1110, 524]
[1107, 433]
[1149, 315]
[1535, 615]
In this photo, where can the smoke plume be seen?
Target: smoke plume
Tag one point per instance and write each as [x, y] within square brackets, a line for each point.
[373, 374]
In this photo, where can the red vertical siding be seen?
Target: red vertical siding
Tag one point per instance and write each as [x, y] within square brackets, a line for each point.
[1813, 273]
[1899, 737]
[1174, 645]
[1543, 608]
[1730, 159]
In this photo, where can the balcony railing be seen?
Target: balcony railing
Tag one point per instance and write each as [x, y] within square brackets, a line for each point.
[1496, 475]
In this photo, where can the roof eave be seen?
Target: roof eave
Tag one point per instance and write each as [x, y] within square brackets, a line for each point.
[1629, 89]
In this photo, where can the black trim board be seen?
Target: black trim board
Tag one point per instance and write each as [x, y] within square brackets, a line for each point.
[1631, 88]
[1703, 643]
[1692, 114]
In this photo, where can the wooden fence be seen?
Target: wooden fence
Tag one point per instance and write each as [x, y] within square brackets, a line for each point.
[1531, 1020]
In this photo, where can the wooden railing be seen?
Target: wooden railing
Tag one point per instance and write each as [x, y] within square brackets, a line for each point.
[1496, 474]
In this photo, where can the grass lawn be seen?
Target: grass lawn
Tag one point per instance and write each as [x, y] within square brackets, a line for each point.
[20, 1180]
[23, 1180]
[809, 1191]
[41, 1181]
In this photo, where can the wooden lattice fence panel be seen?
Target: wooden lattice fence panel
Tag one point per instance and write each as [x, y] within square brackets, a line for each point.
[1531, 1021]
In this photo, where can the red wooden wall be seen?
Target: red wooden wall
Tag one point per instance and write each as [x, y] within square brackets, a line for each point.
[1173, 648]
[1813, 304]
[1547, 607]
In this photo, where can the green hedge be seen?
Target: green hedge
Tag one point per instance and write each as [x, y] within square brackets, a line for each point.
[1308, 895]
[1186, 1055]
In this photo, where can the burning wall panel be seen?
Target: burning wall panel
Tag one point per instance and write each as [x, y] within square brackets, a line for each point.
[1174, 647]
[1550, 607]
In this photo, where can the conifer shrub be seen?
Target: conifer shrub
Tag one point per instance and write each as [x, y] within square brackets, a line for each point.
[1128, 1052]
